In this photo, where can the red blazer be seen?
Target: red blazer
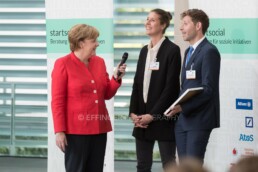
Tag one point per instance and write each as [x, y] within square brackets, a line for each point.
[79, 94]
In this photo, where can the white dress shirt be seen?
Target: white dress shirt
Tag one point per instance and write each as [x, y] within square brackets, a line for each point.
[151, 57]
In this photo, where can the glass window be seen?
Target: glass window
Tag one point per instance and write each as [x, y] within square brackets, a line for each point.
[23, 78]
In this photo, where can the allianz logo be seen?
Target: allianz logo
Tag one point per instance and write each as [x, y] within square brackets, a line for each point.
[246, 137]
[247, 104]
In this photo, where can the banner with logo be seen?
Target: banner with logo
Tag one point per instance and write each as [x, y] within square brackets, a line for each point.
[61, 15]
[233, 29]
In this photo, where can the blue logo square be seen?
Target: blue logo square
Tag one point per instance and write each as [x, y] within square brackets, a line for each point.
[249, 123]
[246, 104]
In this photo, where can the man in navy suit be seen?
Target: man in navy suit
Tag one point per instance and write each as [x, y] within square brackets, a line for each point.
[201, 68]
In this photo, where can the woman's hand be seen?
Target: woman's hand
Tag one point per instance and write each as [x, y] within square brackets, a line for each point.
[146, 119]
[136, 120]
[61, 141]
[120, 71]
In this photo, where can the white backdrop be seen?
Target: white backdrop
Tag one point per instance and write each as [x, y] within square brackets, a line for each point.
[67, 11]
[238, 134]
[238, 80]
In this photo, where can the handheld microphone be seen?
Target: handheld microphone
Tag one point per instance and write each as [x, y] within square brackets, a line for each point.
[124, 58]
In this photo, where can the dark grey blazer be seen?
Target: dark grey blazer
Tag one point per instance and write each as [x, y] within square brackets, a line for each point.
[163, 91]
[203, 110]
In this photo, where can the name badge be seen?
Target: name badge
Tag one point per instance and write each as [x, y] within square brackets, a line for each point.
[190, 74]
[154, 66]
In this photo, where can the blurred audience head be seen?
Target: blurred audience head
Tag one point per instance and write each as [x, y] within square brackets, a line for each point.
[247, 164]
[186, 165]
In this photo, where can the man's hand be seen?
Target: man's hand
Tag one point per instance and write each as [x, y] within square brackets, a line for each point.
[176, 109]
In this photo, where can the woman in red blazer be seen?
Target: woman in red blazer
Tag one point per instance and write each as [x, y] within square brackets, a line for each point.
[80, 86]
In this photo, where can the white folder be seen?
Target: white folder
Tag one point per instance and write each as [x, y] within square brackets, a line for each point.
[190, 92]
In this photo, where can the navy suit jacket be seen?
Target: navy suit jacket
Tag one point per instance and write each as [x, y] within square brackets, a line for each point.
[203, 110]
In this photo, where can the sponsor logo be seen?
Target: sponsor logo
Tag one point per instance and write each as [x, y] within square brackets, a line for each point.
[243, 152]
[248, 152]
[246, 104]
[234, 151]
[246, 138]
[249, 122]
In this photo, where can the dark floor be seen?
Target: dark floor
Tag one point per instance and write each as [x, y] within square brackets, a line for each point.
[16, 164]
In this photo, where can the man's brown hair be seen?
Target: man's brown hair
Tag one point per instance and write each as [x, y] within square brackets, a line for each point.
[197, 16]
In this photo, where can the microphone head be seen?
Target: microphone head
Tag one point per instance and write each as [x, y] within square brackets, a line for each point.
[125, 55]
[124, 58]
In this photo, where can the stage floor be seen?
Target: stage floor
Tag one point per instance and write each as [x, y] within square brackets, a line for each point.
[17, 164]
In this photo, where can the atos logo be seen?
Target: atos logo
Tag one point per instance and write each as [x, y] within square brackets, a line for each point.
[246, 138]
[246, 104]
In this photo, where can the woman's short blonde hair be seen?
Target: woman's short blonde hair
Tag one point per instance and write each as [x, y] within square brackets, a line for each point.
[80, 32]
